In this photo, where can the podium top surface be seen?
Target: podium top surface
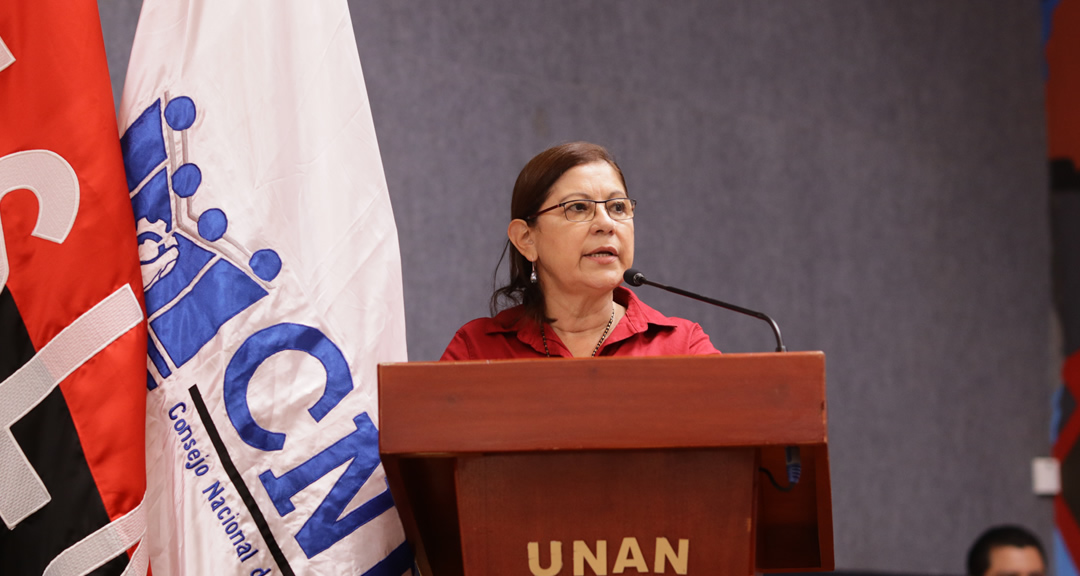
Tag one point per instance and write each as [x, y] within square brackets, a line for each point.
[727, 400]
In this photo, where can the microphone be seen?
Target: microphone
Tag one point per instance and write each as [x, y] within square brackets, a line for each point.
[634, 277]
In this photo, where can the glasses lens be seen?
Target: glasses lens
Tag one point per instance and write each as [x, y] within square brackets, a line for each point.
[579, 211]
[620, 208]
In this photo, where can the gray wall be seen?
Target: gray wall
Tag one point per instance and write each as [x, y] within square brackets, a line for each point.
[871, 173]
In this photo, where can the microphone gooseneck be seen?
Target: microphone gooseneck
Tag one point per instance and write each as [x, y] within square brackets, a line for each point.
[634, 277]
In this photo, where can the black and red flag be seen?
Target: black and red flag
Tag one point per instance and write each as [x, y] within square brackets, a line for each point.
[1062, 34]
[72, 335]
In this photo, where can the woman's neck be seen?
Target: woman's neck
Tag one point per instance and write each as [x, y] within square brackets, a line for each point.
[578, 314]
[581, 322]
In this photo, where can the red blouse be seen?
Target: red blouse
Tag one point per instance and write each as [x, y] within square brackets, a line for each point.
[641, 332]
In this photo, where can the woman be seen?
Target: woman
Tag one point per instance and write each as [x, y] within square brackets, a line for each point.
[571, 237]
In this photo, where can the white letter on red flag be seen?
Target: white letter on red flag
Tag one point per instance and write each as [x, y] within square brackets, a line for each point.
[72, 363]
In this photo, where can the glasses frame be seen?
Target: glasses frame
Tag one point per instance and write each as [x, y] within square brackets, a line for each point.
[633, 206]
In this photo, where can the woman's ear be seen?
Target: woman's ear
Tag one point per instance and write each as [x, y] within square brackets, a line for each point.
[521, 236]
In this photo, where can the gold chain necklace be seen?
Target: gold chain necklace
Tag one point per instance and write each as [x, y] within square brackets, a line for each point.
[603, 336]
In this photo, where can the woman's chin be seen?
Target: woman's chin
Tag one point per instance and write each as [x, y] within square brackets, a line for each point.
[606, 282]
[594, 284]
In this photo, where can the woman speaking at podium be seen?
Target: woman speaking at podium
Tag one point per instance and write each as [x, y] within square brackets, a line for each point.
[571, 238]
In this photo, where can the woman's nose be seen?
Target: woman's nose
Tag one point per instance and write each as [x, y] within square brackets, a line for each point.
[601, 219]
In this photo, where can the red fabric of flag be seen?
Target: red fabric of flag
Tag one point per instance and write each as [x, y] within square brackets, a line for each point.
[55, 96]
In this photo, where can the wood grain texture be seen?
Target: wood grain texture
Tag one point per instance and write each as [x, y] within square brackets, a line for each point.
[484, 457]
[603, 403]
[704, 496]
[794, 529]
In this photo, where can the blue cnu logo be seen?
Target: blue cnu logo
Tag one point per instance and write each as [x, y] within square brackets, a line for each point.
[192, 285]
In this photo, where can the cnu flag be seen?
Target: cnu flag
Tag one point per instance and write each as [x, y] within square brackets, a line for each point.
[273, 288]
[72, 337]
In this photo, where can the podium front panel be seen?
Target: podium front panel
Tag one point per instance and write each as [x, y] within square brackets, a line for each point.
[628, 509]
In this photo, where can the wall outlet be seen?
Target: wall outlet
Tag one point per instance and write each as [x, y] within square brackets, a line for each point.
[1045, 476]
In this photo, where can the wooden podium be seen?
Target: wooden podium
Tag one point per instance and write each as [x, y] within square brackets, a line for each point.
[609, 465]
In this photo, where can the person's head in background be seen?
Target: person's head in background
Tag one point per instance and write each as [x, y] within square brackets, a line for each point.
[1006, 551]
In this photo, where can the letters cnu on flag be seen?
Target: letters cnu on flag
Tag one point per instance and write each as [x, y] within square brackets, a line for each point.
[273, 288]
[72, 337]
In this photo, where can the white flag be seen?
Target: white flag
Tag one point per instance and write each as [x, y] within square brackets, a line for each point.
[273, 288]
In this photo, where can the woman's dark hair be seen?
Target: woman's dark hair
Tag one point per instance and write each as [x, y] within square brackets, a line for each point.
[978, 561]
[530, 192]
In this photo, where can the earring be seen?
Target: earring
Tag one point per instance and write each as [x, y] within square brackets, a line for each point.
[532, 277]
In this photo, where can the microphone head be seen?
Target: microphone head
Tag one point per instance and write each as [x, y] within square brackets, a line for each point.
[633, 277]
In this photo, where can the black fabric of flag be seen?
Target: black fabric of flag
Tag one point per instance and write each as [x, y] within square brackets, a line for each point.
[48, 438]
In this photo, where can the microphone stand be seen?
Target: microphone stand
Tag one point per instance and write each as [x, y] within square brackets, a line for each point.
[635, 278]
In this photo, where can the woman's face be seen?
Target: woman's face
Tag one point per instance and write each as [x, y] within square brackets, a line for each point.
[582, 258]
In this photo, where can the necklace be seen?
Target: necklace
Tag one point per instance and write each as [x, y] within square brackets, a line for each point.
[603, 336]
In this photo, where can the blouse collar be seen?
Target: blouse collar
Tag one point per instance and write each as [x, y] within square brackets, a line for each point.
[638, 318]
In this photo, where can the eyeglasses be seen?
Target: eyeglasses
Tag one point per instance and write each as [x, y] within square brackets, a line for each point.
[584, 210]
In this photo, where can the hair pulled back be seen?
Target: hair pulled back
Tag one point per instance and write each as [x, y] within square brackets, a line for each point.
[531, 190]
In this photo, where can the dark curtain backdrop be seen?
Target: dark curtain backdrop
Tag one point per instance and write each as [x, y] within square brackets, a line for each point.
[870, 173]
